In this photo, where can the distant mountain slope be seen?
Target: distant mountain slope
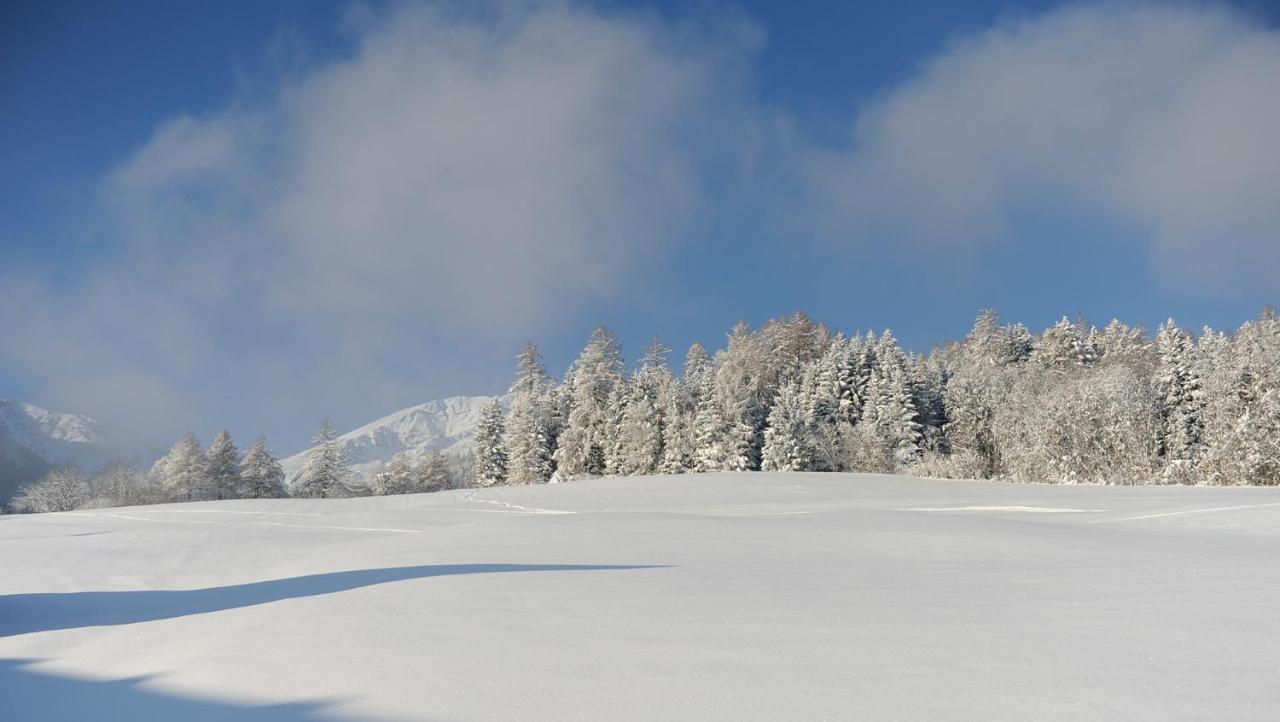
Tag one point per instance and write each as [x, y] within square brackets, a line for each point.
[34, 439]
[445, 424]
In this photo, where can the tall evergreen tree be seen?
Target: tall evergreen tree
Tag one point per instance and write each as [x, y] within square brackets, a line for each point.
[787, 440]
[184, 472]
[224, 467]
[491, 451]
[433, 472]
[583, 443]
[1179, 387]
[641, 428]
[261, 476]
[529, 440]
[325, 472]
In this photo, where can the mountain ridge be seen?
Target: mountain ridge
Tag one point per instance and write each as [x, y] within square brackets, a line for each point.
[446, 425]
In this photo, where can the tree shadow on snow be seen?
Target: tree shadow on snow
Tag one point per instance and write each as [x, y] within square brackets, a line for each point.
[33, 696]
[42, 612]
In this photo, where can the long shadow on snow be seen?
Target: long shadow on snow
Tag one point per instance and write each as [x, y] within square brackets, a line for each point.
[41, 612]
[33, 696]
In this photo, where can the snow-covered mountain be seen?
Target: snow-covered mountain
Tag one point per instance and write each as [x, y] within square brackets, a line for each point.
[445, 424]
[34, 439]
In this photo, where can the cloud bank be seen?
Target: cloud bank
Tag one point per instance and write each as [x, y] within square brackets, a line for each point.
[467, 177]
[1158, 118]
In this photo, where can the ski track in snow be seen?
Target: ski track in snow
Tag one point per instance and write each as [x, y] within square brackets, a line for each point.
[1015, 509]
[510, 508]
[1182, 512]
[255, 523]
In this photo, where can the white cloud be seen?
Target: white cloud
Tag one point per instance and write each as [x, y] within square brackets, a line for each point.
[1160, 119]
[468, 176]
[384, 225]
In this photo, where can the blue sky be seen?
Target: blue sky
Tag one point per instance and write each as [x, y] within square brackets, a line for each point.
[257, 214]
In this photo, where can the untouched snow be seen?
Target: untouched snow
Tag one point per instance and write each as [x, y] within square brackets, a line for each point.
[445, 424]
[721, 597]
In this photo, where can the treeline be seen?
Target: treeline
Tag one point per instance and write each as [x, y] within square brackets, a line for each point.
[186, 473]
[1073, 404]
[190, 473]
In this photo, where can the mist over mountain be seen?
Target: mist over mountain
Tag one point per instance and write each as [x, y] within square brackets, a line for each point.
[34, 439]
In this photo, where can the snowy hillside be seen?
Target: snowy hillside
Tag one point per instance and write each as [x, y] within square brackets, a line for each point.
[445, 424]
[767, 596]
[33, 439]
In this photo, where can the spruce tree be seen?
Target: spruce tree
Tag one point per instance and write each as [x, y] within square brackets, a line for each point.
[433, 472]
[261, 476]
[1179, 388]
[224, 467]
[183, 473]
[787, 440]
[325, 472]
[528, 430]
[491, 452]
[582, 444]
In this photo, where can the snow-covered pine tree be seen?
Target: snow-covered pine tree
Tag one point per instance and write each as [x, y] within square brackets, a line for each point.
[261, 476]
[491, 451]
[395, 477]
[640, 434]
[325, 472]
[1179, 391]
[590, 386]
[1062, 347]
[787, 440]
[711, 430]
[899, 423]
[640, 430]
[528, 442]
[618, 401]
[184, 472]
[433, 472]
[747, 374]
[680, 405]
[224, 467]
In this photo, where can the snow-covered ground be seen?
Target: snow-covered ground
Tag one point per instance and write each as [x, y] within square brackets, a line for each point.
[723, 597]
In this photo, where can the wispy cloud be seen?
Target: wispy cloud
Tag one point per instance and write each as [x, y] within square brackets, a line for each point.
[467, 177]
[1158, 118]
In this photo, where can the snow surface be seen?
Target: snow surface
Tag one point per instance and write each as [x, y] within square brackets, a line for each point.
[767, 596]
[447, 425]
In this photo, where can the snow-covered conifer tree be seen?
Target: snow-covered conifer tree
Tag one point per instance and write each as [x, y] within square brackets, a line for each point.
[590, 385]
[679, 405]
[261, 476]
[787, 440]
[491, 451]
[1062, 347]
[395, 477]
[224, 467]
[1179, 389]
[711, 430]
[640, 431]
[184, 471]
[433, 472]
[325, 472]
[528, 428]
